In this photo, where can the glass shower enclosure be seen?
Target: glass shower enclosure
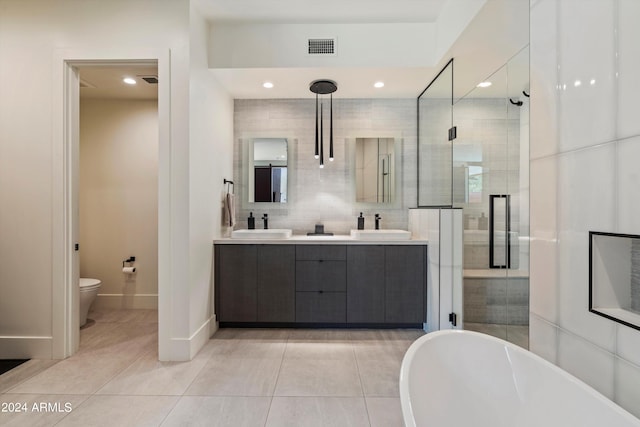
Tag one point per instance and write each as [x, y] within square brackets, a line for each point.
[474, 155]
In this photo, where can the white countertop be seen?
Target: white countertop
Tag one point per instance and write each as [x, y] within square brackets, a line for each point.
[318, 240]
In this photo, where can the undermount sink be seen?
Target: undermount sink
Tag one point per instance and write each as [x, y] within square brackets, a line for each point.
[274, 233]
[381, 234]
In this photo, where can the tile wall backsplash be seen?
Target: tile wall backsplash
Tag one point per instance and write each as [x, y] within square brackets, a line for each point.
[326, 195]
[584, 153]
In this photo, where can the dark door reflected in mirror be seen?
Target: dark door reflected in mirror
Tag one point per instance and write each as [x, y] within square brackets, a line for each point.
[269, 170]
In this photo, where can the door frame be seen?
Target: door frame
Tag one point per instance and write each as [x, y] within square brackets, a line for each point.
[65, 331]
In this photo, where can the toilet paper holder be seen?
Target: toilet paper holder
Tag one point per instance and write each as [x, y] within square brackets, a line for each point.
[130, 269]
[129, 260]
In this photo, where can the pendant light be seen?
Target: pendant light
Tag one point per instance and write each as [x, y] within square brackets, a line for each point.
[323, 87]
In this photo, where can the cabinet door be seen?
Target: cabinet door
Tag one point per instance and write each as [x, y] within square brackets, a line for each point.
[365, 284]
[328, 276]
[405, 284]
[276, 283]
[321, 307]
[236, 270]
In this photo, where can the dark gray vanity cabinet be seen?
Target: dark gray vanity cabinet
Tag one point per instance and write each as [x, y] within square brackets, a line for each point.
[365, 284]
[276, 283]
[321, 284]
[405, 284]
[236, 286]
[255, 283]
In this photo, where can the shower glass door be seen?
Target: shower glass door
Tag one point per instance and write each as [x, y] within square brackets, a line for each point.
[490, 184]
[434, 148]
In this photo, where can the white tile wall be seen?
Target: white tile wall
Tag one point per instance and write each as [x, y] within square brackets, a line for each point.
[543, 338]
[544, 80]
[326, 195]
[628, 184]
[628, 66]
[544, 241]
[585, 142]
[586, 52]
[627, 386]
[628, 344]
[585, 203]
[586, 361]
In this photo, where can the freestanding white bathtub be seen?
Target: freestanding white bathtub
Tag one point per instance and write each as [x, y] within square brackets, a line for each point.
[463, 378]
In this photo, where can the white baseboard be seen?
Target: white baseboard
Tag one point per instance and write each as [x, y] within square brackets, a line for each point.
[25, 347]
[185, 349]
[120, 301]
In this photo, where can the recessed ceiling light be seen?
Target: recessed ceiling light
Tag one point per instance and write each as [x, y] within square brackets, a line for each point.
[129, 80]
[577, 83]
[267, 85]
[484, 84]
[378, 85]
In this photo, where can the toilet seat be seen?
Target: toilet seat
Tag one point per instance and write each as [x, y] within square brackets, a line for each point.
[89, 284]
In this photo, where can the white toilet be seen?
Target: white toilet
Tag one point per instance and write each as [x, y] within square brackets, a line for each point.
[88, 292]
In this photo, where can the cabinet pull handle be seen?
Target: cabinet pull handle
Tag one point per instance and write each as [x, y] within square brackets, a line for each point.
[320, 260]
[320, 292]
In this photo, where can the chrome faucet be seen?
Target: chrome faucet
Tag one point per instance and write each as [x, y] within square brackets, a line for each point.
[377, 219]
[265, 218]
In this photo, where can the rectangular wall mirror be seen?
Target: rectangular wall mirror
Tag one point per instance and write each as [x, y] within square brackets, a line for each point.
[375, 170]
[267, 180]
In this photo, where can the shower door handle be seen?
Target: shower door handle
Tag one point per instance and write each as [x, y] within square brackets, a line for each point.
[507, 229]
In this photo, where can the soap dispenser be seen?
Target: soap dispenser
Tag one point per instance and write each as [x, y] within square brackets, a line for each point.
[360, 222]
[251, 222]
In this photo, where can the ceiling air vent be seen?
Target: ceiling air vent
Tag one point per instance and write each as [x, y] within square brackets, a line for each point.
[152, 80]
[322, 46]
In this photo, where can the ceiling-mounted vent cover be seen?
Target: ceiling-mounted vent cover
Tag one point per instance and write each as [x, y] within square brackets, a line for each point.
[325, 46]
[152, 80]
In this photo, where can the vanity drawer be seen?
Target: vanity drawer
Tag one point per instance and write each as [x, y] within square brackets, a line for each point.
[327, 276]
[321, 252]
[321, 307]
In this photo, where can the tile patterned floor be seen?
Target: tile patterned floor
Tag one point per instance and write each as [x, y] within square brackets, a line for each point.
[242, 377]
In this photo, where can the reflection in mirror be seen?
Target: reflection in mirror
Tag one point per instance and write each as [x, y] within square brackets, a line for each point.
[375, 161]
[467, 173]
[268, 170]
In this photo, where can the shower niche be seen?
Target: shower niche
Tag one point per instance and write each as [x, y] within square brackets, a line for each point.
[614, 277]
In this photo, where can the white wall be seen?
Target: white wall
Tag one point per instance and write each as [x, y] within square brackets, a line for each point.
[118, 196]
[258, 45]
[32, 34]
[210, 162]
[585, 146]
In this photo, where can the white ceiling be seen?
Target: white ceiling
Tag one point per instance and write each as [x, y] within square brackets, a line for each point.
[106, 82]
[247, 83]
[352, 82]
[310, 11]
[400, 82]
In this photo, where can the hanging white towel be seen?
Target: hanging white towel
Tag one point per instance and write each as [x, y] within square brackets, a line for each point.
[229, 210]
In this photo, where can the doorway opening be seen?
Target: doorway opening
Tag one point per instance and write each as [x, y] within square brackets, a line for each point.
[118, 198]
[126, 291]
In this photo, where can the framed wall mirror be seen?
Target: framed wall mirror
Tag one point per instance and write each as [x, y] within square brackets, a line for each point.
[374, 169]
[268, 170]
